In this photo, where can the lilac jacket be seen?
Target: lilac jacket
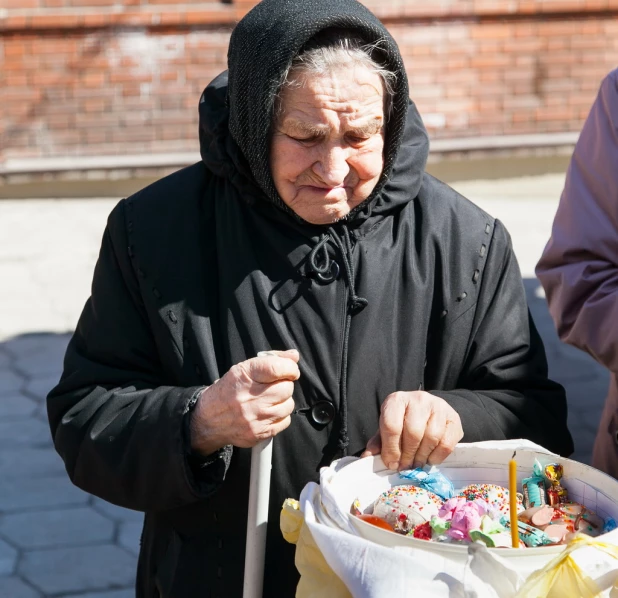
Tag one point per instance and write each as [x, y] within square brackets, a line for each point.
[579, 268]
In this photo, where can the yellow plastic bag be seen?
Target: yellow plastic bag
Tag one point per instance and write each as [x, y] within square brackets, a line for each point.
[563, 577]
[317, 579]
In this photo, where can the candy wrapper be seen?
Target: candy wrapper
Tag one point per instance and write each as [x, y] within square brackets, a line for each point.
[432, 480]
[534, 488]
[556, 494]
[530, 536]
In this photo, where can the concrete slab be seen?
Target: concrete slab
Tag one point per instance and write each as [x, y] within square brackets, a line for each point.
[113, 594]
[10, 382]
[38, 388]
[25, 493]
[29, 462]
[13, 587]
[8, 559]
[64, 570]
[16, 405]
[30, 432]
[59, 527]
[129, 536]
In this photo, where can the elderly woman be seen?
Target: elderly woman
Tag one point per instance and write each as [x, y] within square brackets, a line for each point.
[308, 228]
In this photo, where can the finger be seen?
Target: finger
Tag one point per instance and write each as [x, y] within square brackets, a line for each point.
[415, 423]
[374, 446]
[270, 369]
[434, 431]
[271, 394]
[277, 412]
[391, 426]
[260, 431]
[452, 435]
[279, 426]
[292, 354]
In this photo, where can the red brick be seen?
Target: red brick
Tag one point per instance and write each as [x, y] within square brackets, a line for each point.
[96, 136]
[54, 21]
[93, 79]
[96, 19]
[14, 22]
[124, 76]
[491, 32]
[15, 79]
[495, 60]
[167, 76]
[93, 3]
[95, 105]
[15, 48]
[60, 121]
[20, 4]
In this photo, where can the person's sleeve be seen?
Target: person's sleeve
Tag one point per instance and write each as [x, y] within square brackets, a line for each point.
[579, 267]
[503, 390]
[120, 429]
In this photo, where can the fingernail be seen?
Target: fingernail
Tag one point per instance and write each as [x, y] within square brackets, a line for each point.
[417, 464]
[394, 465]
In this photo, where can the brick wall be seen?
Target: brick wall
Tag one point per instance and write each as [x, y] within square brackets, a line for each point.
[109, 77]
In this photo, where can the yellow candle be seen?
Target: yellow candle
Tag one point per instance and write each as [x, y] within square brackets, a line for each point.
[513, 501]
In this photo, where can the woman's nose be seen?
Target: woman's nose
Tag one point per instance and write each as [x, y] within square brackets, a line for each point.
[333, 167]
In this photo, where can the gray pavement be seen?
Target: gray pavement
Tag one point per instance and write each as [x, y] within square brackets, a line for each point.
[57, 541]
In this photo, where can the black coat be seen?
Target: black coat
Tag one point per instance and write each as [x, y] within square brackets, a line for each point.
[205, 268]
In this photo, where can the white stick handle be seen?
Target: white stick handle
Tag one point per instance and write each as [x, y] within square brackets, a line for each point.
[257, 520]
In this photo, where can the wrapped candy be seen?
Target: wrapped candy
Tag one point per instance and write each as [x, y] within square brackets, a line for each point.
[355, 508]
[530, 536]
[433, 480]
[556, 494]
[534, 487]
[463, 515]
[609, 526]
[492, 533]
[439, 526]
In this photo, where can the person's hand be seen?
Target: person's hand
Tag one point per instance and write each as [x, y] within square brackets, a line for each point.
[251, 402]
[416, 428]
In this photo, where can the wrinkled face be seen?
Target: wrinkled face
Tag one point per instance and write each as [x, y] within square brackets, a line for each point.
[326, 154]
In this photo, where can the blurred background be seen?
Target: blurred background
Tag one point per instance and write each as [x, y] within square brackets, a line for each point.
[108, 89]
[99, 98]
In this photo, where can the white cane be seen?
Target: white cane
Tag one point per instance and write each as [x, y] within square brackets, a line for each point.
[257, 519]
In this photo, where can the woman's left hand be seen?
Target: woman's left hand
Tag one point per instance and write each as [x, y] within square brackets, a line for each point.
[416, 428]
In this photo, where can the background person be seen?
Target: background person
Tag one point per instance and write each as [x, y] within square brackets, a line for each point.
[579, 267]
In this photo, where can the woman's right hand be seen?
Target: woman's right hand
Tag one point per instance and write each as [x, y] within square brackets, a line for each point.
[251, 402]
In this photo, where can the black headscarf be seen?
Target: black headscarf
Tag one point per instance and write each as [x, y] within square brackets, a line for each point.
[262, 48]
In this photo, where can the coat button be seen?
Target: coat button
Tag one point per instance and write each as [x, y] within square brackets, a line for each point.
[323, 412]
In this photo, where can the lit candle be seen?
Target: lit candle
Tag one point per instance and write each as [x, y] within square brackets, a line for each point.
[513, 501]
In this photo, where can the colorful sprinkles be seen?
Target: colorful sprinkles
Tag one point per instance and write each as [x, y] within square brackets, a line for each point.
[496, 496]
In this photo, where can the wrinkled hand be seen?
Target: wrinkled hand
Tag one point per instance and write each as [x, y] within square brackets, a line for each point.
[251, 402]
[416, 428]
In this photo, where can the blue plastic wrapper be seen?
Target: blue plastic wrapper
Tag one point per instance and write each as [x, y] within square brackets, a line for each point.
[529, 535]
[433, 480]
[610, 525]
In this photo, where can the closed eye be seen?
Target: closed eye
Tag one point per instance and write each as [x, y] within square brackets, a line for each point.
[311, 139]
[356, 139]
